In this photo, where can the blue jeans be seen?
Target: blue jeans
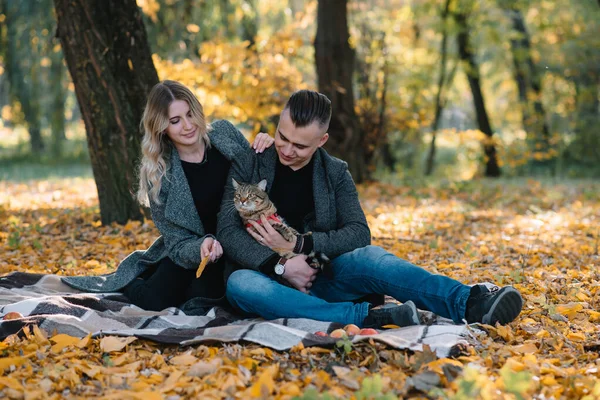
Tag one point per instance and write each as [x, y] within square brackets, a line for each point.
[368, 270]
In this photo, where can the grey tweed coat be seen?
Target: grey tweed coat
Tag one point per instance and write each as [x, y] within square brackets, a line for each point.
[176, 218]
[338, 224]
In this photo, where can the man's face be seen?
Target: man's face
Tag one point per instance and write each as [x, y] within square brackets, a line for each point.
[296, 146]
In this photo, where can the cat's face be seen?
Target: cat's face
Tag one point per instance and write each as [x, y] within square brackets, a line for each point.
[249, 197]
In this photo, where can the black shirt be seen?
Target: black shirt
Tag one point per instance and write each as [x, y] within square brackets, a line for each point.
[207, 181]
[292, 193]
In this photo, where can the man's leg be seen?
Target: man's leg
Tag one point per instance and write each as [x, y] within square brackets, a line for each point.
[373, 270]
[258, 294]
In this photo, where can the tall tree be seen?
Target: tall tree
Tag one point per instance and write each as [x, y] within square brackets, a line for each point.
[23, 66]
[227, 14]
[107, 53]
[3, 45]
[59, 94]
[335, 66]
[250, 22]
[467, 56]
[441, 83]
[528, 82]
[372, 84]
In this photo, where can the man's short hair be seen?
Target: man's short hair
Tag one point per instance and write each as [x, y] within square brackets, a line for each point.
[308, 106]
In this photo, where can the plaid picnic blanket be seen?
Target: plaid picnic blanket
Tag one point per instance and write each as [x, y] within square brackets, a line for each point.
[45, 301]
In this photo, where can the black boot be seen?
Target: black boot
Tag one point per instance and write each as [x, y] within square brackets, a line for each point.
[403, 315]
[493, 306]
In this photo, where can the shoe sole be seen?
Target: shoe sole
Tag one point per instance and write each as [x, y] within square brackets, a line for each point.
[505, 309]
[415, 316]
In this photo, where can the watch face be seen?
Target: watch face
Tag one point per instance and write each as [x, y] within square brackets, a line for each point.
[279, 269]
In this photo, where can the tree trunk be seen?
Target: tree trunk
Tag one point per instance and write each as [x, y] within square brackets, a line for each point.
[492, 169]
[105, 45]
[438, 97]
[585, 147]
[250, 23]
[227, 11]
[59, 94]
[529, 85]
[335, 66]
[22, 67]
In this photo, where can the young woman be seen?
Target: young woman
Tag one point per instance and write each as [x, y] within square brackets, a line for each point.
[182, 177]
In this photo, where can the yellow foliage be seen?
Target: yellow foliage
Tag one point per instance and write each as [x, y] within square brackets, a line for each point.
[150, 8]
[242, 84]
[542, 239]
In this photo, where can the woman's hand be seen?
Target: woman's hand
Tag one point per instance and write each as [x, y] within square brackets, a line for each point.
[262, 141]
[211, 248]
[266, 235]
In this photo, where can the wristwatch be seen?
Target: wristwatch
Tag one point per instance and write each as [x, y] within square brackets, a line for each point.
[280, 266]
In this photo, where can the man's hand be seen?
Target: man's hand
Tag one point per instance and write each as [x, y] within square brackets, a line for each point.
[262, 141]
[266, 235]
[211, 247]
[299, 274]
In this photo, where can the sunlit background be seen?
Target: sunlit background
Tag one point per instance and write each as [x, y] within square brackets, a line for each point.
[538, 64]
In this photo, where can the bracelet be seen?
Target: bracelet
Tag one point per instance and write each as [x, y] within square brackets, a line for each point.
[299, 244]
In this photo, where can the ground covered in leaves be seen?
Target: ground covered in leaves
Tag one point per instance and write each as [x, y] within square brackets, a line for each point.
[542, 238]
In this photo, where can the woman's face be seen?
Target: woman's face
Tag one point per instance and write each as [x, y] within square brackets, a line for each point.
[182, 130]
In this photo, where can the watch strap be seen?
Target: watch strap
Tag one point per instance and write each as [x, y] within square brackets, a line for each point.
[281, 262]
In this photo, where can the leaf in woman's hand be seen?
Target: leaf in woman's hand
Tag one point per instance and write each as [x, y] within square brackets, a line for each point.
[202, 265]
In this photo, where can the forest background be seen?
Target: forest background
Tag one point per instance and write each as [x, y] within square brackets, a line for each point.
[470, 126]
[448, 89]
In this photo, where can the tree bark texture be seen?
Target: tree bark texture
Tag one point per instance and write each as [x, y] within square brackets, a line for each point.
[59, 95]
[335, 66]
[467, 55]
[441, 81]
[107, 53]
[586, 146]
[529, 85]
[23, 68]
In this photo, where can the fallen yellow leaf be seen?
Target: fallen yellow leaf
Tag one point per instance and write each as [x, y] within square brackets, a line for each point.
[290, 389]
[8, 361]
[525, 348]
[436, 366]
[265, 385]
[40, 336]
[515, 365]
[576, 336]
[569, 310]
[84, 341]
[7, 381]
[184, 359]
[171, 381]
[63, 340]
[109, 344]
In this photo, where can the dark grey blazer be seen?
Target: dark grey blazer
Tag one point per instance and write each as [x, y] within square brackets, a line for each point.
[176, 218]
[338, 224]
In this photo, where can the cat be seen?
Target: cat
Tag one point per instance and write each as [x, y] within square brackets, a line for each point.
[251, 201]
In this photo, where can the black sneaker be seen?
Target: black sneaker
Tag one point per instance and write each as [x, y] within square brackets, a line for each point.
[489, 306]
[403, 315]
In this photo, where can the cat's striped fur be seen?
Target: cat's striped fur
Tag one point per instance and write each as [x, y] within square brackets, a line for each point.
[252, 201]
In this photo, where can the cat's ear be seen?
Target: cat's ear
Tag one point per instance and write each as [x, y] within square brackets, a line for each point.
[262, 185]
[235, 183]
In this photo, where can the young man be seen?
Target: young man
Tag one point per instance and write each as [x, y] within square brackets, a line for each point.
[315, 192]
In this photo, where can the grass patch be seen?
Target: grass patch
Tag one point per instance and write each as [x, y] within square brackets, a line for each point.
[21, 172]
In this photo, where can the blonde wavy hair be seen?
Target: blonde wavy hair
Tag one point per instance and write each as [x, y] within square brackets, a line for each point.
[156, 145]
